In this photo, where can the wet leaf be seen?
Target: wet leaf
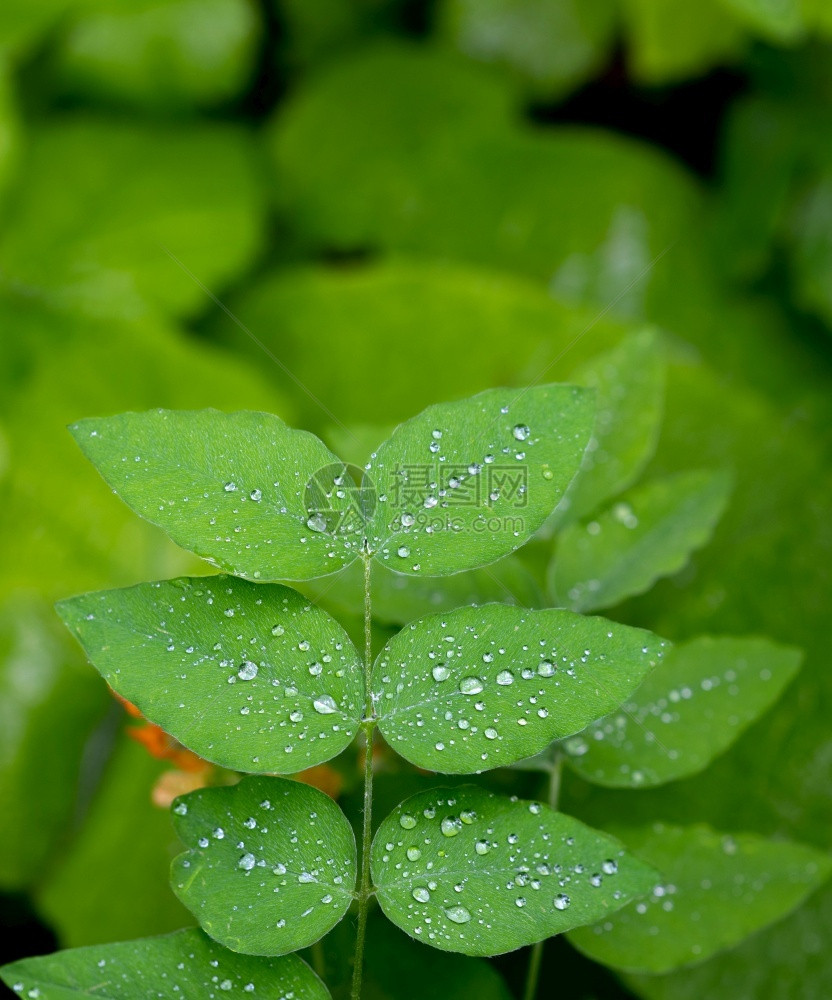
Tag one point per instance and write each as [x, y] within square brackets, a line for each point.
[186, 964]
[242, 490]
[468, 871]
[271, 866]
[252, 677]
[648, 533]
[479, 688]
[689, 710]
[714, 891]
[463, 484]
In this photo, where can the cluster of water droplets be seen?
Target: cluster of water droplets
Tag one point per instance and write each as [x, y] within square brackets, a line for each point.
[453, 868]
[450, 479]
[258, 659]
[278, 852]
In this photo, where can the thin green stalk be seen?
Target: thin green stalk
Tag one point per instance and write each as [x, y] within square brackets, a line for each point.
[369, 723]
[536, 956]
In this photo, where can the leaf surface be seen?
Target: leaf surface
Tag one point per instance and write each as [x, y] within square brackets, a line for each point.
[185, 964]
[252, 677]
[243, 490]
[468, 871]
[271, 865]
[479, 688]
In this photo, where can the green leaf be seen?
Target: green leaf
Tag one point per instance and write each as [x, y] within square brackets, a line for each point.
[688, 711]
[271, 866]
[463, 484]
[781, 21]
[480, 688]
[465, 870]
[553, 45]
[114, 56]
[715, 891]
[129, 196]
[184, 964]
[669, 41]
[90, 893]
[629, 385]
[41, 674]
[242, 490]
[647, 534]
[252, 677]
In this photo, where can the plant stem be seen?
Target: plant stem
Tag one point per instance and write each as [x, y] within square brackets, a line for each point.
[369, 723]
[536, 956]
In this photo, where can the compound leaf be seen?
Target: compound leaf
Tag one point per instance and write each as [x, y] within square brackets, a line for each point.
[186, 964]
[649, 533]
[243, 490]
[252, 677]
[271, 866]
[479, 688]
[463, 484]
[465, 870]
[715, 891]
[686, 713]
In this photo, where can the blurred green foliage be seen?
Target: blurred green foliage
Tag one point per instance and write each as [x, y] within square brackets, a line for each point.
[375, 205]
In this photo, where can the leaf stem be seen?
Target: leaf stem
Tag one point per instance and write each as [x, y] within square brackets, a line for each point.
[369, 723]
[536, 956]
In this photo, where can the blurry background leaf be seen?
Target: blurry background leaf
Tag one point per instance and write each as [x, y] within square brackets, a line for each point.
[111, 884]
[689, 709]
[131, 196]
[648, 533]
[714, 891]
[161, 54]
[550, 45]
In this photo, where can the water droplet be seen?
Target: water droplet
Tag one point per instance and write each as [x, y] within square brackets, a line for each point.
[458, 914]
[490, 733]
[230, 487]
[520, 432]
[180, 809]
[256, 495]
[324, 704]
[316, 523]
[413, 854]
[408, 520]
[609, 867]
[470, 685]
[505, 677]
[406, 821]
[440, 672]
[546, 668]
[278, 630]
[296, 716]
[520, 901]
[403, 551]
[248, 671]
[482, 847]
[421, 894]
[562, 901]
[450, 826]
[247, 862]
[468, 816]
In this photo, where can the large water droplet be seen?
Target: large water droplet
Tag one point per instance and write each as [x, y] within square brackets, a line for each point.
[562, 901]
[406, 821]
[458, 914]
[440, 672]
[450, 826]
[470, 685]
[505, 677]
[421, 894]
[520, 432]
[248, 671]
[316, 523]
[247, 862]
[325, 704]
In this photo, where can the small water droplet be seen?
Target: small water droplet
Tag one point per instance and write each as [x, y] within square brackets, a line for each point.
[406, 821]
[482, 847]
